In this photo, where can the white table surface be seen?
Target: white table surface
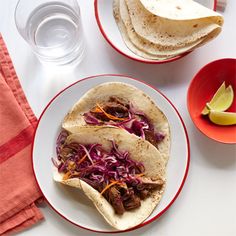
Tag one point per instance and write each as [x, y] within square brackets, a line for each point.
[207, 203]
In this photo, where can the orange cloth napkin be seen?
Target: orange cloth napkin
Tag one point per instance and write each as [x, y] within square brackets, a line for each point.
[18, 188]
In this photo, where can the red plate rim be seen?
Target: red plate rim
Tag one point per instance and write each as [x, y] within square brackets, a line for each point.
[183, 180]
[131, 57]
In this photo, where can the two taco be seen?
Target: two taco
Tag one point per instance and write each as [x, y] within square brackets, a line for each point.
[114, 145]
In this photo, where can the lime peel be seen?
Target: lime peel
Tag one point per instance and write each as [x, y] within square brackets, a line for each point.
[221, 101]
[222, 118]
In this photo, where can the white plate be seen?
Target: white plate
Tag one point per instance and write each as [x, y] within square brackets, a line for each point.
[110, 31]
[69, 202]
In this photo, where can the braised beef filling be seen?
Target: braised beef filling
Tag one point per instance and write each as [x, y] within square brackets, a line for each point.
[120, 179]
[117, 112]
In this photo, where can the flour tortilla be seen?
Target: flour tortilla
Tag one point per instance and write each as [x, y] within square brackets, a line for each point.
[155, 38]
[181, 10]
[126, 39]
[173, 34]
[142, 102]
[145, 45]
[139, 150]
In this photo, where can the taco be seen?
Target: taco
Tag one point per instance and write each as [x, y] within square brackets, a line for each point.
[122, 174]
[124, 106]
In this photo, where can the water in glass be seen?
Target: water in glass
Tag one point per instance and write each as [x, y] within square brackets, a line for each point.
[55, 32]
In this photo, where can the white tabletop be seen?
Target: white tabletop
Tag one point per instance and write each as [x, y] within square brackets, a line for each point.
[207, 203]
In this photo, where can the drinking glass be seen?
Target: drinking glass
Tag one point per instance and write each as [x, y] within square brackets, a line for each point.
[52, 28]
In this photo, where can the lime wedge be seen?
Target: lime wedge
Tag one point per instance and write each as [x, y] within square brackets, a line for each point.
[222, 118]
[221, 100]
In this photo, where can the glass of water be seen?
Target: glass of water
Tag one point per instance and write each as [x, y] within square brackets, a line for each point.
[53, 29]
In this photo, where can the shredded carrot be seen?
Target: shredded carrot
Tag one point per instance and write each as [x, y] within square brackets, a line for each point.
[111, 117]
[108, 186]
[67, 175]
[140, 175]
[122, 184]
[71, 165]
[81, 160]
[96, 110]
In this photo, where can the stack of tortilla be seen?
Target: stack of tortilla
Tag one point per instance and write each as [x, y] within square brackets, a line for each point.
[161, 29]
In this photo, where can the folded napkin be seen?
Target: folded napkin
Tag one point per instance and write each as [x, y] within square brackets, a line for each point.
[18, 188]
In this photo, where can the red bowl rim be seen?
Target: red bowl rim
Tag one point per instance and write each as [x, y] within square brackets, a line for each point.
[188, 98]
[185, 173]
[147, 61]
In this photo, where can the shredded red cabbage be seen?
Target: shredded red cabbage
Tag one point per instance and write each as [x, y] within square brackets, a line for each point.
[55, 163]
[60, 141]
[99, 165]
[90, 119]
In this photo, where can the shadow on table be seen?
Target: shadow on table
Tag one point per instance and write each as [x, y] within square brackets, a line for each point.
[74, 230]
[68, 228]
[218, 154]
[168, 74]
[31, 66]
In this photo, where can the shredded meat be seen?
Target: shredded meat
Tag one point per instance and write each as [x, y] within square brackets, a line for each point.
[153, 138]
[143, 194]
[118, 101]
[66, 151]
[126, 193]
[129, 197]
[115, 107]
[144, 189]
[150, 137]
[132, 202]
[115, 199]
[94, 184]
[125, 198]
[150, 184]
[139, 169]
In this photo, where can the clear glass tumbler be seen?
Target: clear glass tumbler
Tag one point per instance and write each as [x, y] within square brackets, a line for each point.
[52, 28]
